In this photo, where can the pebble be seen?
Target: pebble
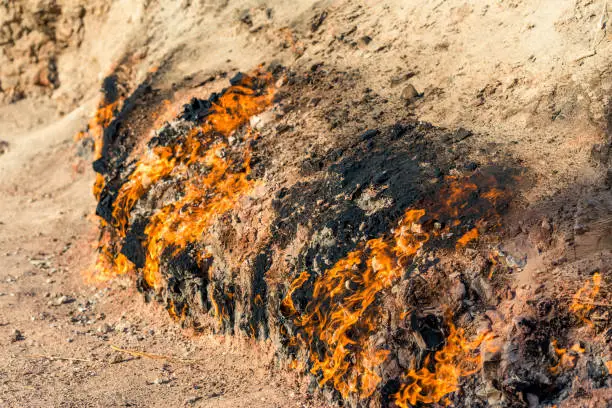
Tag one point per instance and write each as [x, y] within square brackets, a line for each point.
[193, 400]
[16, 336]
[61, 301]
[116, 358]
[410, 94]
[105, 328]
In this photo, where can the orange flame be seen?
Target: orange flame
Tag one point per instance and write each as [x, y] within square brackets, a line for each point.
[337, 323]
[471, 235]
[582, 301]
[340, 307]
[287, 303]
[107, 265]
[566, 360]
[101, 120]
[233, 109]
[458, 358]
[204, 197]
[184, 221]
[173, 314]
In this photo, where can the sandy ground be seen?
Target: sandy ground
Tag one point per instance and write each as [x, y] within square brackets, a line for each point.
[529, 76]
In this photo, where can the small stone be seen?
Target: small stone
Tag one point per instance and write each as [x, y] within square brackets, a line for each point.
[105, 328]
[116, 358]
[398, 79]
[123, 327]
[245, 17]
[410, 94]
[4, 145]
[193, 400]
[350, 285]
[62, 300]
[16, 336]
[160, 381]
[365, 40]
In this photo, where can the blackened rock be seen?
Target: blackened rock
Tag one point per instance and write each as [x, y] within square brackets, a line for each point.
[430, 329]
[369, 134]
[196, 110]
[100, 166]
[460, 134]
[133, 251]
[110, 89]
[381, 177]
[597, 372]
[388, 390]
[471, 166]
[104, 209]
[397, 131]
[318, 20]
[237, 79]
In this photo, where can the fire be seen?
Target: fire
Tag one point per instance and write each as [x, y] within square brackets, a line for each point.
[101, 120]
[233, 109]
[220, 311]
[467, 237]
[297, 365]
[337, 325]
[338, 322]
[203, 196]
[107, 265]
[567, 360]
[287, 303]
[184, 221]
[340, 308]
[173, 313]
[457, 359]
[582, 301]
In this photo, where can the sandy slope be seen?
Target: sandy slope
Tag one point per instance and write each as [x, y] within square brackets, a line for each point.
[530, 76]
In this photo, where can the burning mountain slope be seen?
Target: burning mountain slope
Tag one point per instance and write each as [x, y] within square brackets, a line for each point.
[375, 260]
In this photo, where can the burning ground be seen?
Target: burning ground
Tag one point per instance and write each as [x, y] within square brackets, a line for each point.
[378, 260]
